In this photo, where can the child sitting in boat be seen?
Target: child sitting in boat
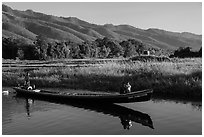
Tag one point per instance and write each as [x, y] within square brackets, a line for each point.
[126, 88]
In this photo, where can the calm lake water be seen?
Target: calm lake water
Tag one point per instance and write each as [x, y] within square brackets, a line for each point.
[26, 116]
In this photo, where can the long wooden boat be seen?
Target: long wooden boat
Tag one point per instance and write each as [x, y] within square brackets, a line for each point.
[137, 96]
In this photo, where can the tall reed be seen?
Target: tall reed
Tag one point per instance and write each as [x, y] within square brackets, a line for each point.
[177, 78]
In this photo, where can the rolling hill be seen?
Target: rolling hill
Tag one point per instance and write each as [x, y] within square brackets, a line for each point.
[28, 24]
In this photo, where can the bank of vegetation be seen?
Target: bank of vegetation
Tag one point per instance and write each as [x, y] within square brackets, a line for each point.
[43, 49]
[102, 65]
[180, 78]
[186, 52]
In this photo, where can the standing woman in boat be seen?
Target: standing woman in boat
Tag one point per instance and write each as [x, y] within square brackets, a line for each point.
[27, 81]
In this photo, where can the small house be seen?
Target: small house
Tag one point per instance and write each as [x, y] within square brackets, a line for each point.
[146, 52]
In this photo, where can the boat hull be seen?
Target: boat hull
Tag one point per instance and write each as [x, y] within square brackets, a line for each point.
[138, 96]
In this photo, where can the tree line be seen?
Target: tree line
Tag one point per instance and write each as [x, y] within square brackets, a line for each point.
[42, 49]
[184, 52]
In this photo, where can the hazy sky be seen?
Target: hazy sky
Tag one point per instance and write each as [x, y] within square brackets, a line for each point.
[177, 17]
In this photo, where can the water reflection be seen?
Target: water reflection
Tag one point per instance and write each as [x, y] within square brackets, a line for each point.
[28, 104]
[126, 115]
[126, 122]
[195, 105]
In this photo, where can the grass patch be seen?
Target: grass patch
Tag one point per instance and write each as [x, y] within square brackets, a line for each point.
[177, 78]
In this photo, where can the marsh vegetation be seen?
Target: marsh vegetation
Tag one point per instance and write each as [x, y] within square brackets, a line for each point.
[180, 78]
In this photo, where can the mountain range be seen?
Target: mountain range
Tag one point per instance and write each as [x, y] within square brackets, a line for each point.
[26, 25]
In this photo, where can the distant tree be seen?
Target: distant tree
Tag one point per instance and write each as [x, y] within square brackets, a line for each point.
[20, 53]
[59, 47]
[64, 50]
[50, 51]
[15, 48]
[129, 48]
[9, 48]
[183, 52]
[58, 50]
[85, 50]
[30, 52]
[75, 51]
[140, 48]
[186, 52]
[115, 49]
[94, 50]
[104, 52]
[41, 45]
[111, 49]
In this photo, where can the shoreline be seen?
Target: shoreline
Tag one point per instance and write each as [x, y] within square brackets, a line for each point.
[182, 79]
